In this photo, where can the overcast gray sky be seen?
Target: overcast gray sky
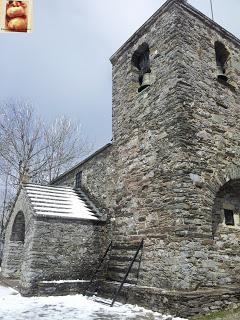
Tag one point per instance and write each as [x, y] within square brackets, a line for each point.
[63, 66]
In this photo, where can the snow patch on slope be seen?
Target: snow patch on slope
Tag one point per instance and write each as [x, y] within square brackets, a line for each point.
[68, 308]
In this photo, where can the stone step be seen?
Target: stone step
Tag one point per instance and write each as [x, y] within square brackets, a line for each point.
[119, 279]
[107, 289]
[121, 258]
[124, 253]
[59, 287]
[125, 246]
[122, 269]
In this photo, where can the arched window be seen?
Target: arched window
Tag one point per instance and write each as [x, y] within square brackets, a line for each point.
[140, 60]
[222, 58]
[226, 208]
[18, 229]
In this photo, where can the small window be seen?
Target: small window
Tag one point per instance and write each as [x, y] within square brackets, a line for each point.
[78, 181]
[222, 58]
[140, 60]
[229, 217]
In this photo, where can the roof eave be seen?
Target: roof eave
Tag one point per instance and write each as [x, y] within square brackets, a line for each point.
[70, 219]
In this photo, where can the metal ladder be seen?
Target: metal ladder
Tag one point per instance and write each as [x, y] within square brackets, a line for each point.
[98, 268]
[116, 294]
[119, 289]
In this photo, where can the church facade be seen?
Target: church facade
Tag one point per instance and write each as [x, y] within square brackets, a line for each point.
[170, 177]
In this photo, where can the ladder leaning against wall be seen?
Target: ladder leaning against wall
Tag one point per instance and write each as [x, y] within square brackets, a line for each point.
[108, 257]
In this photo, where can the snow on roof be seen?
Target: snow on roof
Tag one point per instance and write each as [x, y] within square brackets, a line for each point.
[63, 202]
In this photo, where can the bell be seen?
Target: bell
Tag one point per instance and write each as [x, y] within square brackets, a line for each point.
[221, 74]
[146, 82]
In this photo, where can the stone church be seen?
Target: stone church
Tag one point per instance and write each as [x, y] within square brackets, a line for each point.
[170, 178]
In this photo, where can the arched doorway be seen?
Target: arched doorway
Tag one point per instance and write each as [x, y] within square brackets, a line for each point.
[14, 247]
[18, 229]
[226, 209]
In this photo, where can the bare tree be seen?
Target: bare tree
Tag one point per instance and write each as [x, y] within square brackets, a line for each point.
[22, 144]
[32, 147]
[65, 142]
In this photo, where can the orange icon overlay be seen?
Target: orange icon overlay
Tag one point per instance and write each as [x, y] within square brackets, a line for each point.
[16, 16]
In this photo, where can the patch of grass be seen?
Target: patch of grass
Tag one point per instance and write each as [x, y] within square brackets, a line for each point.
[221, 315]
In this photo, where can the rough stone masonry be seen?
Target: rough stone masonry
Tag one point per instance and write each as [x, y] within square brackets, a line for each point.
[171, 175]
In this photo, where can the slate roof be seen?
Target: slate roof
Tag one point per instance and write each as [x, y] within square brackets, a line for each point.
[63, 202]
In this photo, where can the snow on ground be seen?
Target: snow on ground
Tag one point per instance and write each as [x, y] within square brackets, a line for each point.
[15, 307]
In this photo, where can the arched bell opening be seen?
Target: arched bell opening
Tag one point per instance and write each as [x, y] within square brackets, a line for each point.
[226, 208]
[141, 61]
[222, 60]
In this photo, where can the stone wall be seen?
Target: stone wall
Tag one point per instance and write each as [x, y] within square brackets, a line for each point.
[62, 249]
[98, 174]
[210, 142]
[180, 303]
[1, 251]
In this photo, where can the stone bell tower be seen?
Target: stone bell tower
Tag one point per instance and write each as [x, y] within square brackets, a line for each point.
[175, 128]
